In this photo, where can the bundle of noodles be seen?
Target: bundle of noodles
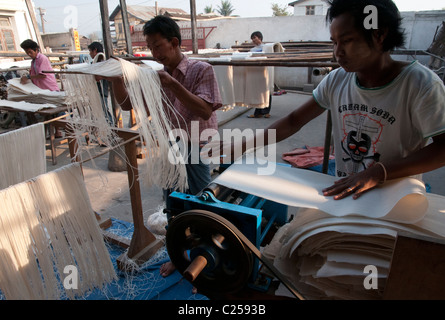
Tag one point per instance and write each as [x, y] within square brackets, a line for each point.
[327, 257]
[29, 92]
[51, 246]
[161, 167]
[24, 154]
[85, 103]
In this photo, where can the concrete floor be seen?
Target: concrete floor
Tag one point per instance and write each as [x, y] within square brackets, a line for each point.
[109, 192]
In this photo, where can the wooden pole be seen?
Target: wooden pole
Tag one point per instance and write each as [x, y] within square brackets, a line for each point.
[141, 236]
[108, 44]
[143, 244]
[327, 143]
[126, 26]
[194, 28]
[34, 24]
[115, 159]
[42, 20]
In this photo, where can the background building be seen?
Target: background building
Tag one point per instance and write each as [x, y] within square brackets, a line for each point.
[309, 7]
[138, 15]
[17, 23]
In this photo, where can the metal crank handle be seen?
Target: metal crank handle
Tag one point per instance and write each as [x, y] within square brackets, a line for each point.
[195, 268]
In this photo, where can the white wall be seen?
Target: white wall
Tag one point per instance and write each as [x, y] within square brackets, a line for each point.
[21, 22]
[420, 28]
[274, 29]
[13, 5]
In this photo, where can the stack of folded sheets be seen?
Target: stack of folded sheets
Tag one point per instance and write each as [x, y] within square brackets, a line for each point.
[326, 248]
[31, 93]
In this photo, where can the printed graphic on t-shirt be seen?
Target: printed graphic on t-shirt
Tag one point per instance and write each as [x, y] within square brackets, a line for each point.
[361, 136]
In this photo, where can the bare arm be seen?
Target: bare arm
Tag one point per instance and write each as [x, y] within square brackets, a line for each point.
[293, 122]
[119, 91]
[283, 128]
[427, 159]
[24, 79]
[195, 104]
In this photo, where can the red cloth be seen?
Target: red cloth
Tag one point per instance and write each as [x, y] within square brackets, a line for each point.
[305, 157]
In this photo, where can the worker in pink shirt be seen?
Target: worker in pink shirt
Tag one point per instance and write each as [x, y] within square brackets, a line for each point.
[39, 63]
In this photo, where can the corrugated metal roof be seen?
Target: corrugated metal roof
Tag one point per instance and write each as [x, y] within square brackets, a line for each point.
[145, 13]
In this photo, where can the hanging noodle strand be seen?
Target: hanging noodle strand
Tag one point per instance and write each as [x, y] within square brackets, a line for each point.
[150, 108]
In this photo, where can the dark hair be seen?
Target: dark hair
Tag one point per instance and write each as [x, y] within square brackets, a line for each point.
[163, 25]
[96, 46]
[258, 34]
[388, 17]
[29, 44]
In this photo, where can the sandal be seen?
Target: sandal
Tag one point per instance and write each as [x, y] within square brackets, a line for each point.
[267, 115]
[255, 116]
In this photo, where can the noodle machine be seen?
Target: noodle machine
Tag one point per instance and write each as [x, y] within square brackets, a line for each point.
[214, 238]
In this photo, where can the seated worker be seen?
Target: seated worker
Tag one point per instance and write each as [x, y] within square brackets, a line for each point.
[388, 116]
[39, 63]
[191, 88]
[96, 50]
[257, 39]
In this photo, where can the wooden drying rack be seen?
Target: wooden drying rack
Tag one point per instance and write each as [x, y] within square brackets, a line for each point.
[143, 244]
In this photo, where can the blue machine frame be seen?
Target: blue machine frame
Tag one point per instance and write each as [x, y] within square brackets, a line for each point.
[247, 215]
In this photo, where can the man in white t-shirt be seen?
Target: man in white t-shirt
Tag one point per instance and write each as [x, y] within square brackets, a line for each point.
[257, 40]
[384, 112]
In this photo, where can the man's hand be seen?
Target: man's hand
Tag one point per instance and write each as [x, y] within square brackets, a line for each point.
[24, 80]
[166, 79]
